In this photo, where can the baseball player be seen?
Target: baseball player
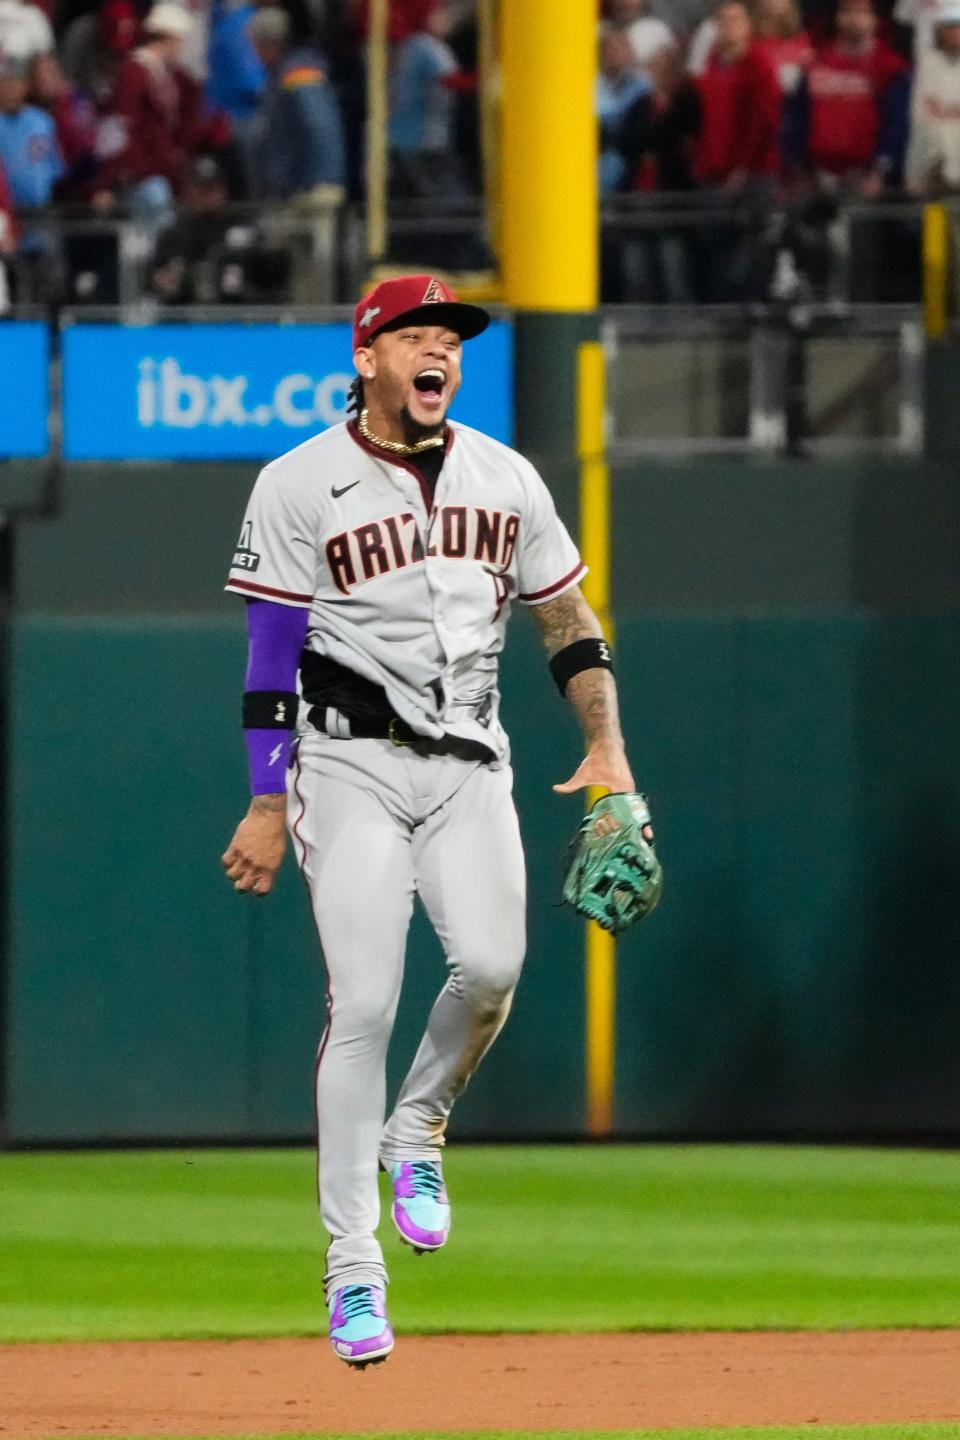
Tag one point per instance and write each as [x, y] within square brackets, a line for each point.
[379, 561]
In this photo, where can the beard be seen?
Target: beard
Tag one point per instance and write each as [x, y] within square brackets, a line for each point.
[414, 431]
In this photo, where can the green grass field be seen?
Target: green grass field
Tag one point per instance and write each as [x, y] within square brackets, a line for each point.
[149, 1244]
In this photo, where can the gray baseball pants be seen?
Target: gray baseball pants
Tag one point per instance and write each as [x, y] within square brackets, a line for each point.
[372, 825]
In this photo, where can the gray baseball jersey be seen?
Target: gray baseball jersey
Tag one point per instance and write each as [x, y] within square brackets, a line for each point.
[410, 591]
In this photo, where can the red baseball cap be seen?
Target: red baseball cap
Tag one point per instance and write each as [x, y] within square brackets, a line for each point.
[118, 26]
[421, 298]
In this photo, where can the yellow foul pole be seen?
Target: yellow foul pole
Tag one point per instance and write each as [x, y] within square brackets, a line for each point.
[549, 233]
[549, 161]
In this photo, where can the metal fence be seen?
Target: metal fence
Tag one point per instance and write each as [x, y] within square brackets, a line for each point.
[821, 353]
[655, 249]
[795, 379]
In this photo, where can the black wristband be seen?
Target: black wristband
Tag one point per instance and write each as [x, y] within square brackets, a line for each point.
[589, 654]
[270, 709]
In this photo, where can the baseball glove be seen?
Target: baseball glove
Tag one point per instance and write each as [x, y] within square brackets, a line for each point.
[614, 877]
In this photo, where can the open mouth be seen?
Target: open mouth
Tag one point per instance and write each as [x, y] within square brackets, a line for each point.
[430, 383]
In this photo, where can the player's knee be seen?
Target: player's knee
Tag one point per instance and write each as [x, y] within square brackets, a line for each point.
[363, 1016]
[490, 979]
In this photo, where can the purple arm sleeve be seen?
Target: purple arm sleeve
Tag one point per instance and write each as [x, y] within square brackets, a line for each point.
[275, 636]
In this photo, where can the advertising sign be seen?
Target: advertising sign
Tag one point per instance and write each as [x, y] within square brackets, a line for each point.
[24, 365]
[236, 392]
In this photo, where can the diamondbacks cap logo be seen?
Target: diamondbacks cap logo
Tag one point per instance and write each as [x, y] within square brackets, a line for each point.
[369, 315]
[434, 294]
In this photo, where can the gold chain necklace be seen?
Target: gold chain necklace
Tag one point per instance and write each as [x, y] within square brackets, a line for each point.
[396, 447]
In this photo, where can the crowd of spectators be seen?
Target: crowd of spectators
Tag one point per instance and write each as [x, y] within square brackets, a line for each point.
[760, 102]
[176, 114]
[771, 98]
[173, 112]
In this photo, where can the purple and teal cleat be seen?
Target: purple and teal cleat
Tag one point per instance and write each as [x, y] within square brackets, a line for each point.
[421, 1209]
[359, 1329]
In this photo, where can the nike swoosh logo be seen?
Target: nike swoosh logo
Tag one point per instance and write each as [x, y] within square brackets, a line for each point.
[343, 490]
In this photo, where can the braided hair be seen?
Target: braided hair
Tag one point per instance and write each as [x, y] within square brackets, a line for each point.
[355, 397]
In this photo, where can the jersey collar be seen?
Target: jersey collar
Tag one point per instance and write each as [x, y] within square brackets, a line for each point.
[387, 456]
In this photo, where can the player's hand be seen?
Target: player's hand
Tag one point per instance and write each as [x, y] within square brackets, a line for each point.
[253, 856]
[605, 766]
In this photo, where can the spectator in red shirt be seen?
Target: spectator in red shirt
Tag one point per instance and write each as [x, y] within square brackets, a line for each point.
[153, 119]
[783, 40]
[854, 107]
[737, 148]
[94, 46]
[788, 48]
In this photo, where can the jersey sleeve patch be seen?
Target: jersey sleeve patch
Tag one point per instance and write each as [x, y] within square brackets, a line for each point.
[537, 597]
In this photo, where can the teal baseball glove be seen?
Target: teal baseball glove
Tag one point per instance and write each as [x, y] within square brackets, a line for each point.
[614, 876]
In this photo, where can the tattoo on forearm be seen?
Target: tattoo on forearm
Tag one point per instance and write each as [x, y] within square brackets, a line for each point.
[566, 619]
[592, 693]
[268, 804]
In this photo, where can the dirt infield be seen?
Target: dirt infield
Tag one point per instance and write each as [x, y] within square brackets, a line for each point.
[457, 1382]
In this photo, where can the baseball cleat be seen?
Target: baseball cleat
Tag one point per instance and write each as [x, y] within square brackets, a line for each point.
[421, 1209]
[359, 1329]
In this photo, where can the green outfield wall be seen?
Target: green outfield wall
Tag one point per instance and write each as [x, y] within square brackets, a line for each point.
[788, 639]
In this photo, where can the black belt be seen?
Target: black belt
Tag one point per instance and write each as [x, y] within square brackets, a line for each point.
[399, 733]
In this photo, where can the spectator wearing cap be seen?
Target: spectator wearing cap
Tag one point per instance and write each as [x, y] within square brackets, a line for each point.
[153, 120]
[196, 42]
[94, 45]
[645, 33]
[183, 271]
[299, 145]
[424, 79]
[738, 144]
[619, 84]
[206, 258]
[853, 109]
[24, 31]
[933, 153]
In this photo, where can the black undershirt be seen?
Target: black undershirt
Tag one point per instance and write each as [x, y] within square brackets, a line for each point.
[429, 463]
